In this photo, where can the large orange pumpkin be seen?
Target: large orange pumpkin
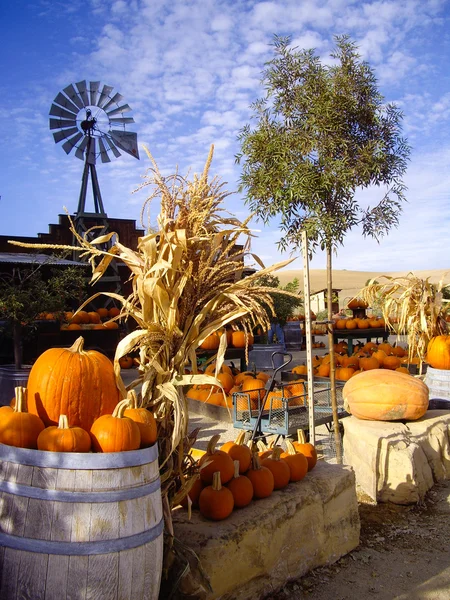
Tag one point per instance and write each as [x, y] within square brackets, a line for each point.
[438, 352]
[384, 395]
[73, 382]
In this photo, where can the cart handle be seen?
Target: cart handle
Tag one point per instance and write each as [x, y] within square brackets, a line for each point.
[285, 362]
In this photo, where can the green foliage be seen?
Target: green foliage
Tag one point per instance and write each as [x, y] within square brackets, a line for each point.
[284, 305]
[25, 293]
[323, 130]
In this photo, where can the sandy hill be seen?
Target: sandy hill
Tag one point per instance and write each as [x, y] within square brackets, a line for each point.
[350, 282]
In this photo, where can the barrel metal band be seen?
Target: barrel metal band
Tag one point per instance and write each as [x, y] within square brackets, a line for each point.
[82, 548]
[27, 491]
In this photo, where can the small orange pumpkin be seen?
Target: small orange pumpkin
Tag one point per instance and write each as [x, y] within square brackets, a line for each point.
[64, 438]
[261, 478]
[216, 502]
[211, 342]
[239, 452]
[297, 462]
[280, 469]
[115, 433]
[306, 448]
[241, 487]
[18, 427]
[143, 418]
[215, 460]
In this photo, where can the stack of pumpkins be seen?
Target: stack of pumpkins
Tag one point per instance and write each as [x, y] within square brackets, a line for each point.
[249, 383]
[365, 358]
[72, 404]
[236, 474]
[99, 319]
[235, 339]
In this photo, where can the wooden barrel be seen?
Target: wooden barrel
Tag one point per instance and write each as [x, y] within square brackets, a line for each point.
[79, 526]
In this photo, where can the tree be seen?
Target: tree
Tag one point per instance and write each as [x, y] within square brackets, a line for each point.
[322, 132]
[26, 292]
[284, 305]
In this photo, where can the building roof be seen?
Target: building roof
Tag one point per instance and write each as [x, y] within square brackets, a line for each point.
[41, 259]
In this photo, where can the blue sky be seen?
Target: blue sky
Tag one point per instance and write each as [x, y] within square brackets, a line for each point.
[190, 69]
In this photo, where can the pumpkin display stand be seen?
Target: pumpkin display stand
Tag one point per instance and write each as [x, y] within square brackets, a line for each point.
[398, 462]
[261, 547]
[71, 521]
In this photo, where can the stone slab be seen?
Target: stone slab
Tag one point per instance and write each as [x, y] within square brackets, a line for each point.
[259, 548]
[399, 462]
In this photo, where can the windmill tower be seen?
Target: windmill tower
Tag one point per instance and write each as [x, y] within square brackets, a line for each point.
[90, 120]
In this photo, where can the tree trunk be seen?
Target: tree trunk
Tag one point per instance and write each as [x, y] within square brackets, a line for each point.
[334, 406]
[17, 343]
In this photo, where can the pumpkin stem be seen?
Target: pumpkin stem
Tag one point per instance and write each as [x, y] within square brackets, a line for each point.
[121, 408]
[236, 469]
[216, 483]
[63, 422]
[77, 346]
[276, 452]
[240, 439]
[301, 437]
[21, 399]
[290, 449]
[132, 399]
[212, 444]
[262, 447]
[256, 463]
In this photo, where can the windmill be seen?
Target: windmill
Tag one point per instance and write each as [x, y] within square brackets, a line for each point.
[90, 120]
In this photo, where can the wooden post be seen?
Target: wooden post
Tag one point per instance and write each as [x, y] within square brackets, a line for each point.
[308, 340]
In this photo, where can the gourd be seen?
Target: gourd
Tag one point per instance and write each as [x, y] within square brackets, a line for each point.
[143, 418]
[384, 395]
[64, 438]
[18, 427]
[115, 432]
[296, 461]
[215, 460]
[216, 502]
[238, 451]
[74, 382]
[261, 478]
[280, 469]
[438, 352]
[308, 450]
[241, 487]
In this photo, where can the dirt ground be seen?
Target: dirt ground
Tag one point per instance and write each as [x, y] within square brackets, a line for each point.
[404, 554]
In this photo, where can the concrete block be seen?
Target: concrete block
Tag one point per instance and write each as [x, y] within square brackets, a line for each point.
[398, 462]
[262, 546]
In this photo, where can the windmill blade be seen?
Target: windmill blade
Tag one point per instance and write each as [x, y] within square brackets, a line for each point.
[91, 152]
[72, 94]
[112, 146]
[61, 123]
[122, 120]
[114, 100]
[103, 151]
[66, 103]
[57, 111]
[93, 91]
[104, 95]
[81, 87]
[81, 148]
[59, 136]
[127, 141]
[119, 109]
[72, 142]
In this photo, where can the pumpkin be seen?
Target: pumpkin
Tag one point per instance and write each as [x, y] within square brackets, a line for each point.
[384, 395]
[125, 362]
[82, 317]
[110, 325]
[216, 502]
[241, 487]
[64, 438]
[227, 381]
[103, 313]
[261, 478]
[211, 342]
[239, 339]
[215, 460]
[238, 451]
[18, 427]
[115, 432]
[143, 418]
[113, 312]
[391, 362]
[438, 352]
[300, 370]
[255, 388]
[94, 317]
[211, 369]
[280, 469]
[297, 462]
[74, 327]
[308, 450]
[369, 363]
[74, 382]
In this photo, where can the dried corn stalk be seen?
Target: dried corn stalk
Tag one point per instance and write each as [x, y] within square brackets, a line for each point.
[414, 305]
[186, 284]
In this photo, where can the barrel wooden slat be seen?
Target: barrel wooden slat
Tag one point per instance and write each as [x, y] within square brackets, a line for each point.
[80, 534]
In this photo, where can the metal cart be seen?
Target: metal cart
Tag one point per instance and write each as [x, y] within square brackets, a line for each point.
[284, 414]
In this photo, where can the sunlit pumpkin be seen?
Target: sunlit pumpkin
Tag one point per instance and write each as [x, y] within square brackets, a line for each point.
[438, 352]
